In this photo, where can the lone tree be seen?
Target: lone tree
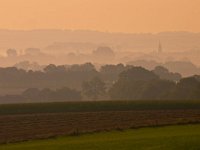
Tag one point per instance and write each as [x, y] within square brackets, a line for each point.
[94, 89]
[11, 53]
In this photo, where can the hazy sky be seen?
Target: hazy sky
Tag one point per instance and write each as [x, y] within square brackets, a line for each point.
[103, 15]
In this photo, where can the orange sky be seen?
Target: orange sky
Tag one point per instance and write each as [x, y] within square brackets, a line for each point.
[103, 15]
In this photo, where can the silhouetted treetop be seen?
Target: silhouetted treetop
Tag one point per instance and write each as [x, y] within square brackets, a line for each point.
[164, 73]
[138, 73]
[104, 51]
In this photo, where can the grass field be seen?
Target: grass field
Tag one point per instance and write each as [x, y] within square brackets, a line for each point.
[185, 137]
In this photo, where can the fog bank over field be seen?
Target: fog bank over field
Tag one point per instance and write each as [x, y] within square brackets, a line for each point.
[81, 46]
[57, 40]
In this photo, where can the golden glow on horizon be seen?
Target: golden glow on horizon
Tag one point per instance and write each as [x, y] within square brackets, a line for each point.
[103, 15]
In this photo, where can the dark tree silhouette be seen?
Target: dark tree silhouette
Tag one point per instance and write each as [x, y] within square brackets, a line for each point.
[187, 89]
[164, 73]
[94, 88]
[138, 83]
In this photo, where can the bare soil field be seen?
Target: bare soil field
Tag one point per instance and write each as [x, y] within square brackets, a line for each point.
[22, 127]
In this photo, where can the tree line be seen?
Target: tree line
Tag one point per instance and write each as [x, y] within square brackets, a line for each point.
[110, 82]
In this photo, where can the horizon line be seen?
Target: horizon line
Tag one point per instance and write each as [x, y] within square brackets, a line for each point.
[91, 30]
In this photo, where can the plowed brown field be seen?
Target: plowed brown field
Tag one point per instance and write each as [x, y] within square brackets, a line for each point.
[23, 127]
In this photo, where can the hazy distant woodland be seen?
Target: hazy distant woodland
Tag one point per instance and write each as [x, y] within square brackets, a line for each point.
[79, 46]
[65, 65]
[58, 83]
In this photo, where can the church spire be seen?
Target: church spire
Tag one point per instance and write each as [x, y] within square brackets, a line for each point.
[160, 47]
